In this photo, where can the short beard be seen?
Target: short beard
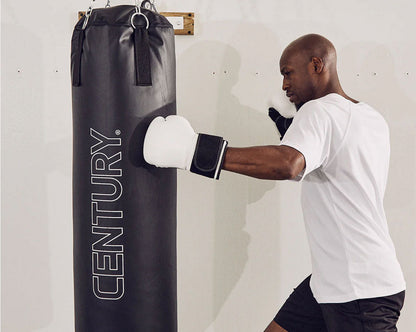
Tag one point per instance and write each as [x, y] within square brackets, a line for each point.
[298, 106]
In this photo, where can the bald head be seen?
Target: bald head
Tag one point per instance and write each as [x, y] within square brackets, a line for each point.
[308, 66]
[310, 46]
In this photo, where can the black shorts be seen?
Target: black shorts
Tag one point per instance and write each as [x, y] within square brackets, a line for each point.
[301, 313]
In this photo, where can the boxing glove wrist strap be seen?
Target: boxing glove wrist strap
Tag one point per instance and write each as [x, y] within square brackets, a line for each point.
[209, 156]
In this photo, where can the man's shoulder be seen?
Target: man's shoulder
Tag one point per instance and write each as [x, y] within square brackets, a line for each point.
[318, 106]
[331, 105]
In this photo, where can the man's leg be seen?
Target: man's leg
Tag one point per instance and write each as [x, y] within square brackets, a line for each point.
[274, 327]
[368, 315]
[300, 312]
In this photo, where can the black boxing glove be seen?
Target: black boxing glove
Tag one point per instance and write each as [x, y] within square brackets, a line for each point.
[282, 123]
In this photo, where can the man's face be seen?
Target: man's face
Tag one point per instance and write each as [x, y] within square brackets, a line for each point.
[297, 74]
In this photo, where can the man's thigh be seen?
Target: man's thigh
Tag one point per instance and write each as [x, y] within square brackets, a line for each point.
[367, 315]
[301, 312]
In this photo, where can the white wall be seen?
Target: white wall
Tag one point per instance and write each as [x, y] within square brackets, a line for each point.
[241, 241]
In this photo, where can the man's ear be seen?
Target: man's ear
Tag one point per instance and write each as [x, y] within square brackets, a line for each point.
[318, 64]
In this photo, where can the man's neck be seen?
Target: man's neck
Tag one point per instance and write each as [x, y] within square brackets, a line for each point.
[335, 87]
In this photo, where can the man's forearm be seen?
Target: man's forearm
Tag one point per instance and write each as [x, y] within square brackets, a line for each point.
[265, 162]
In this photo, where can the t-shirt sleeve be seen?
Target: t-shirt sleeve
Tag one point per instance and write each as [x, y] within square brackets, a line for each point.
[310, 135]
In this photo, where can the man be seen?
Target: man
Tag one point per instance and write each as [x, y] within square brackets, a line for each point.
[339, 149]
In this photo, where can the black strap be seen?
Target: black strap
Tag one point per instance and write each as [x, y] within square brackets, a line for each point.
[209, 156]
[77, 40]
[142, 57]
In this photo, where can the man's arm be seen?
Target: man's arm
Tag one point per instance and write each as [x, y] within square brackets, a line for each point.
[265, 162]
[171, 142]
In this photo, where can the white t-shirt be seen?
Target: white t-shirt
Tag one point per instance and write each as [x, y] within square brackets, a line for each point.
[347, 150]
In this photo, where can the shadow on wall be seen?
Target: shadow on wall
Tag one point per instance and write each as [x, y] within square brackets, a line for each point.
[231, 193]
[239, 123]
[215, 77]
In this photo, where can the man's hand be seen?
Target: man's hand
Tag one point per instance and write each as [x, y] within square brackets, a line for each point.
[171, 142]
[281, 122]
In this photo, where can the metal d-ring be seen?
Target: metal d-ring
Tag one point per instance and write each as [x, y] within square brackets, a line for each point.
[139, 13]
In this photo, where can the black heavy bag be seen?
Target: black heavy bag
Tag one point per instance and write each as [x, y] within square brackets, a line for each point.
[124, 211]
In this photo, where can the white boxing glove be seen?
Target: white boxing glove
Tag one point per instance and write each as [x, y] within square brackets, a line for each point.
[172, 142]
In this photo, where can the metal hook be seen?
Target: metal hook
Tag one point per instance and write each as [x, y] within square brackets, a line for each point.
[87, 16]
[89, 12]
[152, 3]
[148, 4]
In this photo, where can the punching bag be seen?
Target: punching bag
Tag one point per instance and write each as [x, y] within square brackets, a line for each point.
[124, 210]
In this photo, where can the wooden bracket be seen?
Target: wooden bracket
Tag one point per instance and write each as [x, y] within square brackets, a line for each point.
[81, 15]
[183, 23]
